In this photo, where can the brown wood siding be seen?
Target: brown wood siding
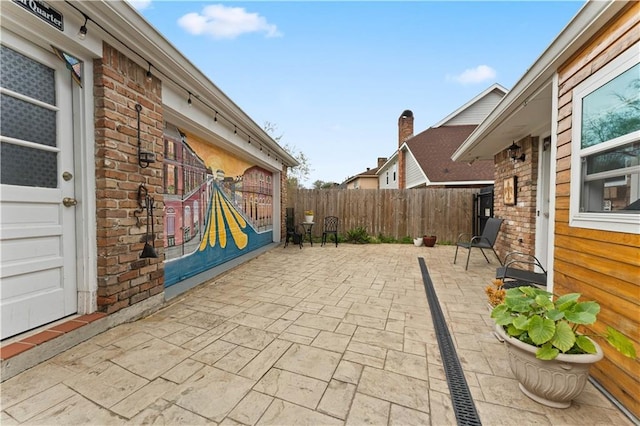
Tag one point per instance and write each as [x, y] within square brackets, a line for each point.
[602, 265]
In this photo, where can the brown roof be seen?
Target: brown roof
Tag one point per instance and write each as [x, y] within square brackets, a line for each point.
[433, 148]
[369, 173]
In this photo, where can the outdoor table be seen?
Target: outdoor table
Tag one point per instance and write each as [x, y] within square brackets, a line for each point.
[307, 230]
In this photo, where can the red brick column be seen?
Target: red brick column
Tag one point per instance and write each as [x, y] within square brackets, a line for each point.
[123, 278]
[284, 198]
[519, 226]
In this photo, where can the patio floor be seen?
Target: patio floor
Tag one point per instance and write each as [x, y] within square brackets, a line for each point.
[322, 335]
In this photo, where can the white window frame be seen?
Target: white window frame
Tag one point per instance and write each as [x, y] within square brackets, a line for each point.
[617, 222]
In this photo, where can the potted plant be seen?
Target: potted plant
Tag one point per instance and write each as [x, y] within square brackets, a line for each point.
[308, 216]
[429, 240]
[417, 241]
[547, 354]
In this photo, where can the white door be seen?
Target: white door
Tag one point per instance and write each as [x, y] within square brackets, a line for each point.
[37, 231]
[542, 212]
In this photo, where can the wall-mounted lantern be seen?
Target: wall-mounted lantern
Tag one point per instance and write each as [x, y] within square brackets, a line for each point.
[513, 152]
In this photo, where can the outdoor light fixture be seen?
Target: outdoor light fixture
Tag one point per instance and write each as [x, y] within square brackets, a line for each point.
[149, 75]
[215, 118]
[235, 130]
[82, 32]
[513, 151]
[189, 100]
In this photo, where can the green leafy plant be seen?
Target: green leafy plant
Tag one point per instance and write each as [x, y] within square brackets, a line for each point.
[530, 315]
[386, 240]
[357, 235]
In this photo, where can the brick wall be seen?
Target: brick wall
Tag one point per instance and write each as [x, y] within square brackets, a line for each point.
[518, 229]
[123, 278]
[284, 193]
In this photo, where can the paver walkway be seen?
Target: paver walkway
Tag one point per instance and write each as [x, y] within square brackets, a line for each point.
[322, 335]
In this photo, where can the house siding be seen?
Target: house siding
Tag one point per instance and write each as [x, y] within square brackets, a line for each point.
[414, 176]
[478, 112]
[391, 172]
[602, 265]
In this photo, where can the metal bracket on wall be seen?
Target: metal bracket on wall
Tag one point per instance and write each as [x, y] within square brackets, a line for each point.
[144, 157]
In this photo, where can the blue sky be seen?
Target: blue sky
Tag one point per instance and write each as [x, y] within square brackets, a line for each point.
[334, 77]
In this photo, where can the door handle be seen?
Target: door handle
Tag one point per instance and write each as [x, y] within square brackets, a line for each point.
[69, 202]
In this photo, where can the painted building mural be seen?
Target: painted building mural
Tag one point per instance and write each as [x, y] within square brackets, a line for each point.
[216, 205]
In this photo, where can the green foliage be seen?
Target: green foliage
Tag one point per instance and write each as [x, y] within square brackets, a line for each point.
[406, 240]
[531, 315]
[320, 184]
[386, 240]
[357, 236]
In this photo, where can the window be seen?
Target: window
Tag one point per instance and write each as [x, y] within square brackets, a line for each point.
[605, 163]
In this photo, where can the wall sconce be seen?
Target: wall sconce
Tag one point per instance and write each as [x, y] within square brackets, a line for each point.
[146, 202]
[513, 151]
[82, 32]
[144, 157]
[149, 75]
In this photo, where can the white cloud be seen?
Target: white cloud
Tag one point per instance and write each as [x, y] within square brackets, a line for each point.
[474, 75]
[221, 21]
[140, 4]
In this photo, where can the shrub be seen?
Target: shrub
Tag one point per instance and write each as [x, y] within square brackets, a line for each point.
[357, 235]
[386, 240]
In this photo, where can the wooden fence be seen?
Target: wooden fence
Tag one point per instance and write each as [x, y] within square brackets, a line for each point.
[393, 213]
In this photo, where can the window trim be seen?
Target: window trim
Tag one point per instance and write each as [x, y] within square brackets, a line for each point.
[617, 222]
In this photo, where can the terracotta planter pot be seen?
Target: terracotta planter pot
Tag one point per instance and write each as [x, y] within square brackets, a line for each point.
[429, 241]
[554, 383]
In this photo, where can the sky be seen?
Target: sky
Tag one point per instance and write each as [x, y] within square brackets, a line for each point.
[333, 77]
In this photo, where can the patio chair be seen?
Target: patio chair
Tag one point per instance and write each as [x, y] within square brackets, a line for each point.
[293, 234]
[485, 241]
[514, 274]
[330, 227]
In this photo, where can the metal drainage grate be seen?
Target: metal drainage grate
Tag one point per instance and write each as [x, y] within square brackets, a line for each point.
[463, 405]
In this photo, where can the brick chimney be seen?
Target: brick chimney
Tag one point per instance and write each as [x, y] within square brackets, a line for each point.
[381, 161]
[405, 131]
[405, 126]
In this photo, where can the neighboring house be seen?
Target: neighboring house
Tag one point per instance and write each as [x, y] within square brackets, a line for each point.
[574, 116]
[365, 180]
[94, 120]
[424, 160]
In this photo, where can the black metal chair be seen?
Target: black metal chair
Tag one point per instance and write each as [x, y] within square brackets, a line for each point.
[484, 241]
[330, 227]
[514, 274]
[293, 233]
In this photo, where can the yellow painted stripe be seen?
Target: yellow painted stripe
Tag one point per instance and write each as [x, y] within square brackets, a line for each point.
[240, 238]
[222, 232]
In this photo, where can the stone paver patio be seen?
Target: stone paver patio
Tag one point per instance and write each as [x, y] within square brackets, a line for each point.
[322, 335]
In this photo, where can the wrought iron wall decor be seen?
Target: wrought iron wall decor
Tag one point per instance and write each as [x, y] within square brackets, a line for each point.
[145, 201]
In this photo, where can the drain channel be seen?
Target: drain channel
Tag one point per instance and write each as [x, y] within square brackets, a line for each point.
[463, 405]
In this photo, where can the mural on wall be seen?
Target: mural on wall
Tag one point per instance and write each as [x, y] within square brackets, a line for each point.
[216, 206]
